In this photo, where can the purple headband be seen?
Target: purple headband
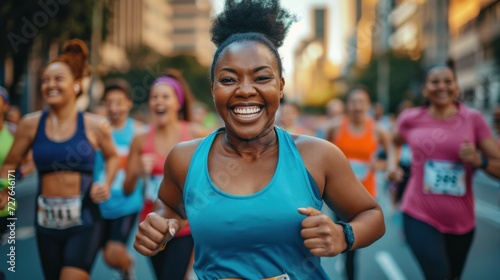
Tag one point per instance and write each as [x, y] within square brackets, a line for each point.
[173, 83]
[4, 94]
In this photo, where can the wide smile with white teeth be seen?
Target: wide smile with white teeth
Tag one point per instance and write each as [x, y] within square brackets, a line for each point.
[247, 112]
[53, 93]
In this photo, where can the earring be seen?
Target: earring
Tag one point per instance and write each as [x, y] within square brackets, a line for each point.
[77, 88]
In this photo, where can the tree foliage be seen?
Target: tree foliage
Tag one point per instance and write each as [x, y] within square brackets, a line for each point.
[405, 76]
[43, 21]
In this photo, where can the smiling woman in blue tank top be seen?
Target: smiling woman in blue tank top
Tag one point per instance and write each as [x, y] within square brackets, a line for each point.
[68, 221]
[251, 191]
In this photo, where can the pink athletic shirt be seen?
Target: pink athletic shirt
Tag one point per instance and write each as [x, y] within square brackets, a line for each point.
[435, 146]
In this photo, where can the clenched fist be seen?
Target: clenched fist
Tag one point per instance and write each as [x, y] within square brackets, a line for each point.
[321, 235]
[154, 232]
[99, 192]
[468, 154]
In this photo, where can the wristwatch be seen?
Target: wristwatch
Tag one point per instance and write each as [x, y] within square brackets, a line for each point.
[348, 233]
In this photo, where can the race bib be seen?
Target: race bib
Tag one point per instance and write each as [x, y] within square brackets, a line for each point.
[152, 186]
[59, 213]
[361, 168]
[444, 177]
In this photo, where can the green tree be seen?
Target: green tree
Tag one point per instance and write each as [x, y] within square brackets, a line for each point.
[44, 21]
[405, 77]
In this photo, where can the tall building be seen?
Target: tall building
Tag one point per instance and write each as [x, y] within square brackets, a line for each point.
[311, 81]
[436, 31]
[190, 21]
[407, 35]
[169, 27]
[475, 26]
[156, 26]
[125, 23]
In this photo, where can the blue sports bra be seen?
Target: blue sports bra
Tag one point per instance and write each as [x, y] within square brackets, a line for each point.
[74, 154]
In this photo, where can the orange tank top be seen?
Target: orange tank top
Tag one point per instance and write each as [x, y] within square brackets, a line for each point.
[360, 150]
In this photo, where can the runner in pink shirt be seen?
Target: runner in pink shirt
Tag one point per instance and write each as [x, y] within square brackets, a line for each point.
[438, 203]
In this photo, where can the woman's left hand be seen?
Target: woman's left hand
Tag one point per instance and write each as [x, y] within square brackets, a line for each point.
[468, 154]
[321, 235]
[99, 192]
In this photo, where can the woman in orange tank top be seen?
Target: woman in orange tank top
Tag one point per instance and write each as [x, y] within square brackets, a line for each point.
[358, 136]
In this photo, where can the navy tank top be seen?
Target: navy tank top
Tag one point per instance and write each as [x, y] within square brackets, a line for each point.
[74, 154]
[251, 236]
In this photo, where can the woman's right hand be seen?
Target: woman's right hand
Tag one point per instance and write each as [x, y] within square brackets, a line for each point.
[154, 232]
[395, 175]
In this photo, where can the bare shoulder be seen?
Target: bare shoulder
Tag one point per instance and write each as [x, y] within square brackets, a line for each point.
[30, 119]
[316, 153]
[95, 120]
[183, 151]
[312, 146]
[96, 124]
[320, 157]
[139, 126]
[179, 159]
[331, 128]
[29, 123]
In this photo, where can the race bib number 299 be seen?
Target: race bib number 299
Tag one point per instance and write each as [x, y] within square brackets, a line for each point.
[444, 177]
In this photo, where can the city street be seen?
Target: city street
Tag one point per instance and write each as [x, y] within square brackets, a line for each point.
[389, 258]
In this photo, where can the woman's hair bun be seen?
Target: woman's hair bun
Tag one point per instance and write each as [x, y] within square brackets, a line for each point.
[76, 48]
[259, 16]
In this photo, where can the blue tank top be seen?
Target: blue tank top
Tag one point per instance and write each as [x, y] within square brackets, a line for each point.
[73, 154]
[251, 236]
[119, 204]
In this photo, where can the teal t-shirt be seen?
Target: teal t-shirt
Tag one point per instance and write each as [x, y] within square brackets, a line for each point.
[119, 204]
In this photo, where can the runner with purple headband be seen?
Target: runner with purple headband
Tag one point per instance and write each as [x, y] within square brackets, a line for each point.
[173, 83]
[169, 105]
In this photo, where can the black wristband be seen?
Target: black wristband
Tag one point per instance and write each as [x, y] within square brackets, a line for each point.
[348, 233]
[484, 162]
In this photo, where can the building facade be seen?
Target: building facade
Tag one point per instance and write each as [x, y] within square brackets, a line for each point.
[169, 27]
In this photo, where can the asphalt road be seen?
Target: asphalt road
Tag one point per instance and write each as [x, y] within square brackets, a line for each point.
[389, 258]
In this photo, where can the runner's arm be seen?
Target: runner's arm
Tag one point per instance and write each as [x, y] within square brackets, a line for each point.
[347, 197]
[112, 160]
[491, 151]
[134, 168]
[23, 139]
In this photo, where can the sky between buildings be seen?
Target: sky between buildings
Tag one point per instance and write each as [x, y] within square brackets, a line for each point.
[338, 30]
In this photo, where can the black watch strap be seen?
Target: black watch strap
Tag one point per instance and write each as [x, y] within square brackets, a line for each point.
[348, 233]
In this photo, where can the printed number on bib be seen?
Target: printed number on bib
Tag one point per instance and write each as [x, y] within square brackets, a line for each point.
[361, 169]
[152, 187]
[444, 177]
[59, 213]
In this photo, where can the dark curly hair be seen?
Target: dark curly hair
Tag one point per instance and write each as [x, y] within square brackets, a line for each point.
[262, 21]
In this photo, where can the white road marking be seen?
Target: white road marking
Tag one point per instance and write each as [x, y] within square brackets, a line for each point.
[24, 233]
[389, 266]
[488, 211]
